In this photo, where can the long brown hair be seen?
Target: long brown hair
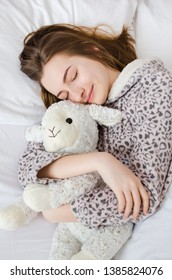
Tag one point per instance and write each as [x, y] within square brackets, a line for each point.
[41, 45]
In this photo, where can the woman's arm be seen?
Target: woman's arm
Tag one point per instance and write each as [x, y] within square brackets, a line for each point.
[127, 187]
[70, 166]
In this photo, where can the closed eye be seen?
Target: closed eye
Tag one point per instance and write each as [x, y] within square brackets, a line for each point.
[63, 95]
[75, 76]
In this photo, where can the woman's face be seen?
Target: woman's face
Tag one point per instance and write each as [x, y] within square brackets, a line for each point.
[77, 78]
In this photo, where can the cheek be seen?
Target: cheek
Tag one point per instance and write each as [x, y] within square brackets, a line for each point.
[84, 78]
[99, 74]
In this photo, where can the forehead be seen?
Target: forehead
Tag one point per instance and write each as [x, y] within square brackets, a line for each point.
[59, 63]
[56, 63]
[54, 69]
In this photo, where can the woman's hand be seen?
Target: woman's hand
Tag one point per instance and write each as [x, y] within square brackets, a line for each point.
[126, 186]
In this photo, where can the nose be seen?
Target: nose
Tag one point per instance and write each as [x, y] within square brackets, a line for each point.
[76, 94]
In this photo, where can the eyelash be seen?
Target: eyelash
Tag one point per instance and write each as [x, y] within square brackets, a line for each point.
[76, 75]
[67, 97]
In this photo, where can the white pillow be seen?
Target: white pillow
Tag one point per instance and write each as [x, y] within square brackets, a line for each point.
[20, 100]
[115, 13]
[153, 30]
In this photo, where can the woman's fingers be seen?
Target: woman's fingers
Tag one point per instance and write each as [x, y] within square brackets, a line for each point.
[136, 203]
[121, 201]
[140, 198]
[128, 201]
[131, 200]
[145, 199]
[129, 204]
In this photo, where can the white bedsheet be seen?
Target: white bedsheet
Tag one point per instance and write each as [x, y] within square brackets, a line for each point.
[20, 106]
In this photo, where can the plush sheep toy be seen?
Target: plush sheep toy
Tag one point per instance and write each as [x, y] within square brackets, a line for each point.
[69, 128]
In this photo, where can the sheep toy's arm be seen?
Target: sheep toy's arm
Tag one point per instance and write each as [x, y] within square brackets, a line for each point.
[104, 115]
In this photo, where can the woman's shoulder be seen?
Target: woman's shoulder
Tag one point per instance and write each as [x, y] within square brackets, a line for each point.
[155, 64]
[135, 72]
[155, 73]
[150, 65]
[151, 70]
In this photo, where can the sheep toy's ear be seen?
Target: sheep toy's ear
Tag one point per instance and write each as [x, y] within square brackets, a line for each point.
[104, 115]
[34, 133]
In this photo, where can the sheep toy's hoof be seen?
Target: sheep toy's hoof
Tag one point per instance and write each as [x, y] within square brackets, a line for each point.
[11, 218]
[37, 197]
[83, 256]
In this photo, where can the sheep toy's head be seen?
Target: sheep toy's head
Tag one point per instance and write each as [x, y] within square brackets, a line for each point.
[71, 127]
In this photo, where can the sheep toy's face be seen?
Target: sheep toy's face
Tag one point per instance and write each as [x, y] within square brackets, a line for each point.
[72, 128]
[68, 127]
[60, 129]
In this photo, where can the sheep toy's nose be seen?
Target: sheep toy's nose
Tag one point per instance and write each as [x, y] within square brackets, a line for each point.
[53, 134]
[69, 120]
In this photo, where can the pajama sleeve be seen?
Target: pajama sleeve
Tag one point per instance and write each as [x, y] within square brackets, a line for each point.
[151, 156]
[33, 159]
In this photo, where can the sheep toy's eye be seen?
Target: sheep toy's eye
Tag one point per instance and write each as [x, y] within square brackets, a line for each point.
[69, 120]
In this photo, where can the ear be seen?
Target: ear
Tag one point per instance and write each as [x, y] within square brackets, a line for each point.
[34, 133]
[104, 115]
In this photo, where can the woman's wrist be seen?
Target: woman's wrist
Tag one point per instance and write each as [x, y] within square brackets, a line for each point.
[103, 159]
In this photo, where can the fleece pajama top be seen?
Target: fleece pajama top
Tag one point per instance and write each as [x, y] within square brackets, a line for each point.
[142, 141]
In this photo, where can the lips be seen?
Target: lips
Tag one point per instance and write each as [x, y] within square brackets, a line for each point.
[90, 96]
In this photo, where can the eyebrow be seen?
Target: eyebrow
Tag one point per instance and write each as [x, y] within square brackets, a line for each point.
[64, 79]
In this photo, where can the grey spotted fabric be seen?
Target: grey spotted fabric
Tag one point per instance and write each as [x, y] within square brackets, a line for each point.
[142, 141]
[33, 159]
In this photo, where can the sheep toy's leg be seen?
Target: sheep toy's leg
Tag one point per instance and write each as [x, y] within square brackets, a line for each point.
[105, 242]
[64, 244]
[37, 197]
[16, 215]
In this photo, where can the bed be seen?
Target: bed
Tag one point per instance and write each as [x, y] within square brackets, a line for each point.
[21, 106]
